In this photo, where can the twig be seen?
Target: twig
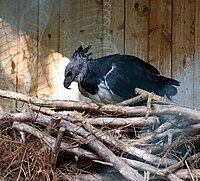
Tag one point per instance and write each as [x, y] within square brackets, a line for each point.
[16, 117]
[190, 130]
[153, 170]
[116, 121]
[189, 171]
[94, 131]
[150, 97]
[54, 120]
[148, 137]
[56, 147]
[150, 148]
[154, 160]
[133, 100]
[96, 121]
[184, 173]
[189, 113]
[96, 177]
[132, 150]
[104, 152]
[165, 126]
[116, 143]
[49, 140]
[139, 91]
[179, 164]
[101, 150]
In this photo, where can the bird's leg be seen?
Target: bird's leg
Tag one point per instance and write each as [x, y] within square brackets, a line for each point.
[149, 100]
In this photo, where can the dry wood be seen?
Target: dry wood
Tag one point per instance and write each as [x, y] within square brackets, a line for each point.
[189, 113]
[184, 174]
[16, 117]
[81, 127]
[175, 167]
[96, 121]
[190, 130]
[130, 149]
[1, 110]
[98, 177]
[56, 147]
[93, 177]
[149, 100]
[133, 100]
[146, 167]
[104, 152]
[29, 129]
[167, 125]
[149, 148]
[155, 97]
[49, 140]
[118, 144]
[101, 150]
[115, 121]
[53, 122]
[153, 170]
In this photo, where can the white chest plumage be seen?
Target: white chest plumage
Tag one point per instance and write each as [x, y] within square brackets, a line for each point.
[104, 95]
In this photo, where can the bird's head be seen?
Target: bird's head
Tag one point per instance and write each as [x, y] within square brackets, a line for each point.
[77, 67]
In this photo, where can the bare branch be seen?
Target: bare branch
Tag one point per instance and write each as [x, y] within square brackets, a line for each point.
[104, 152]
[49, 140]
[56, 147]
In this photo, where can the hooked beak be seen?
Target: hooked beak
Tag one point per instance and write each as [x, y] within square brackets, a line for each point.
[67, 83]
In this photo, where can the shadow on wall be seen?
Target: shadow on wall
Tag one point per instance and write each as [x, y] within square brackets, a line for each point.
[51, 77]
[24, 67]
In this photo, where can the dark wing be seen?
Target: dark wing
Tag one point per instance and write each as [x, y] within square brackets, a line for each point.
[129, 72]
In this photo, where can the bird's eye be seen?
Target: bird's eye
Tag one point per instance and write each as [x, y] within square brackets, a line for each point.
[69, 74]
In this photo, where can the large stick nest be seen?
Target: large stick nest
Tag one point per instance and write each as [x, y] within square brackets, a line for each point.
[66, 140]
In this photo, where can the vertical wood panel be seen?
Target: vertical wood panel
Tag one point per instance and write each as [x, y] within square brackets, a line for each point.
[160, 35]
[196, 28]
[136, 28]
[50, 38]
[91, 25]
[183, 49]
[17, 50]
[27, 47]
[117, 24]
[81, 23]
[167, 32]
[8, 47]
[69, 27]
[113, 26]
[48, 59]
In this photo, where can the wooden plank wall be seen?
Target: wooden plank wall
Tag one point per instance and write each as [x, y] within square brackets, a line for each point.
[165, 33]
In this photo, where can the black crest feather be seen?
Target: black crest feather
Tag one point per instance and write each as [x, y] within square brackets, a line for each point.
[82, 52]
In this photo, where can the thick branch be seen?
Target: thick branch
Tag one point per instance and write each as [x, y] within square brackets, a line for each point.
[49, 140]
[186, 112]
[56, 147]
[104, 152]
[114, 121]
[16, 117]
[120, 145]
